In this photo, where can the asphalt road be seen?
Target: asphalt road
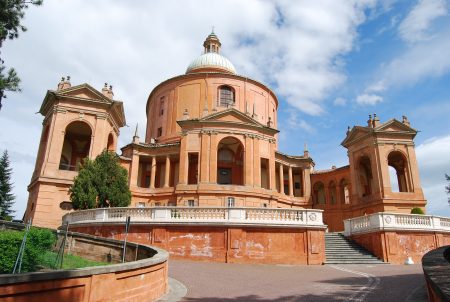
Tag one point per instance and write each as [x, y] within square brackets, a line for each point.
[251, 282]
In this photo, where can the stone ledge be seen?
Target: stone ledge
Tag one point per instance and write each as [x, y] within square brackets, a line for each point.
[436, 268]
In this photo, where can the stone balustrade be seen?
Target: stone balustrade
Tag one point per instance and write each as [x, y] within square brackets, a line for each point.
[395, 221]
[202, 215]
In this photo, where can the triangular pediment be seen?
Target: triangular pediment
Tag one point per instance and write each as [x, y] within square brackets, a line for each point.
[356, 133]
[84, 91]
[227, 117]
[394, 125]
[231, 115]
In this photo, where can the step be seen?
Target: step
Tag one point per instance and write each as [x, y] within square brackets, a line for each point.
[340, 250]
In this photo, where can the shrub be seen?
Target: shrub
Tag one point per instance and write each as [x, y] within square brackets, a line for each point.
[417, 211]
[38, 242]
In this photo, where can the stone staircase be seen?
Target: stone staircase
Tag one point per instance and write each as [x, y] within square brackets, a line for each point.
[340, 250]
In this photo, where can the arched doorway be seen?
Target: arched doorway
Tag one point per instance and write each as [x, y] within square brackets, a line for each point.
[398, 172]
[77, 142]
[230, 162]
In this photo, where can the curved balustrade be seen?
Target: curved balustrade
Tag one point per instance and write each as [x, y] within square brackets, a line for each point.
[300, 217]
[394, 221]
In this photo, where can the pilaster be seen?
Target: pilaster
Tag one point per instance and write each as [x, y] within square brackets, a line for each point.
[205, 154]
[248, 161]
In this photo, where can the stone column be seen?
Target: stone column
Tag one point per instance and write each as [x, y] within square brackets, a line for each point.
[306, 183]
[281, 179]
[248, 161]
[291, 187]
[167, 173]
[256, 163]
[204, 160]
[153, 173]
[134, 169]
[213, 158]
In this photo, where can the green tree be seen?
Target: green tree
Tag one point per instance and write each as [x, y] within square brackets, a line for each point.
[101, 183]
[6, 197]
[11, 14]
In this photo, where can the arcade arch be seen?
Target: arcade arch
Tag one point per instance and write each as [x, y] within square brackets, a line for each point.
[399, 176]
[77, 143]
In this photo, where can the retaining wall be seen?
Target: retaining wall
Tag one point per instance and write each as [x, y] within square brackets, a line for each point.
[222, 243]
[395, 246]
[436, 268]
[144, 278]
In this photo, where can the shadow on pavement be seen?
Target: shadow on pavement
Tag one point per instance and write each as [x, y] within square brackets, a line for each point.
[386, 288]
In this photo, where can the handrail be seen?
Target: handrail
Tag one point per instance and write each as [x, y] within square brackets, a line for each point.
[212, 215]
[395, 221]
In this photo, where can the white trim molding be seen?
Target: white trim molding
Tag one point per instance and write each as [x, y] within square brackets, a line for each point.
[395, 222]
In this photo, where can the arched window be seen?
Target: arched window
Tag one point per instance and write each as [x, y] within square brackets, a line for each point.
[365, 176]
[344, 191]
[225, 96]
[230, 162]
[332, 188]
[398, 172]
[319, 193]
[77, 142]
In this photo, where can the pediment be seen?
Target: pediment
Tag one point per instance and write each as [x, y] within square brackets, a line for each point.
[84, 91]
[394, 125]
[356, 133]
[231, 115]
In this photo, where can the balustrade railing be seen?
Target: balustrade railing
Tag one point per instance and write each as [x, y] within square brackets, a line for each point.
[395, 221]
[305, 217]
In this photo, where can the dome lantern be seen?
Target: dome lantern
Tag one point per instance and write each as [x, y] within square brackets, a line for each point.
[211, 60]
[212, 43]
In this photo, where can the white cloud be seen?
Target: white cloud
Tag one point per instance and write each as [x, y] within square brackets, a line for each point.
[368, 99]
[416, 24]
[340, 102]
[434, 163]
[297, 47]
[295, 123]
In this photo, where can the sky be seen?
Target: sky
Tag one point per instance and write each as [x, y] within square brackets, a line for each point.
[331, 64]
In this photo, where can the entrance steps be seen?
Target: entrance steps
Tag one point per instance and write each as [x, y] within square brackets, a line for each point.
[340, 250]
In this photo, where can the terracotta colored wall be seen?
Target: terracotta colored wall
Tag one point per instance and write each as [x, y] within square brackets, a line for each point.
[193, 90]
[225, 243]
[142, 284]
[394, 247]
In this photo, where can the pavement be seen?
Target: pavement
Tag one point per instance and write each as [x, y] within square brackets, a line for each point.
[212, 282]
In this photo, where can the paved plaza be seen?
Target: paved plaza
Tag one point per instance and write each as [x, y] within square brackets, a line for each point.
[251, 282]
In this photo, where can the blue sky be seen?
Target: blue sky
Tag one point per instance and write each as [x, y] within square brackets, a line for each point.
[331, 63]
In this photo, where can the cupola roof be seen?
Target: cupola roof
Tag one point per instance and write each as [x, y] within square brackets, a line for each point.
[211, 60]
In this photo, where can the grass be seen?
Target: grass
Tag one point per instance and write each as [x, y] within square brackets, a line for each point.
[48, 261]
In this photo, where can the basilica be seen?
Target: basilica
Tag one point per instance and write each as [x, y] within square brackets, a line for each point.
[212, 141]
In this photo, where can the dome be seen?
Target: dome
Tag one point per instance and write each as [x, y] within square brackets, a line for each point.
[213, 61]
